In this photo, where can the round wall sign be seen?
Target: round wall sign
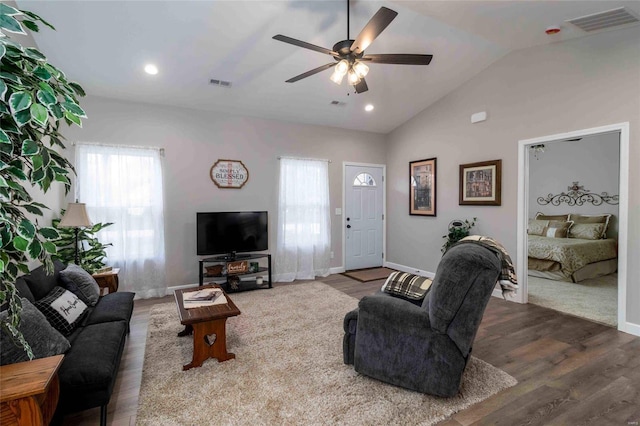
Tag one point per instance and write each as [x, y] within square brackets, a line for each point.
[229, 174]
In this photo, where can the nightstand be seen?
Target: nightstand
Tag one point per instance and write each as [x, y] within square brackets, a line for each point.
[108, 280]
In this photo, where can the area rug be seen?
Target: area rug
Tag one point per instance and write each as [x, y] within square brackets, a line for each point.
[371, 274]
[595, 299]
[288, 370]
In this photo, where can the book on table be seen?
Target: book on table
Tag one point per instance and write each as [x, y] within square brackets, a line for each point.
[204, 297]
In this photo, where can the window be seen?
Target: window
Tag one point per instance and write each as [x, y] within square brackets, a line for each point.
[304, 228]
[364, 179]
[123, 185]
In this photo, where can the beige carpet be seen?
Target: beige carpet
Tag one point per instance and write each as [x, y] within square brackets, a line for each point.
[371, 274]
[288, 370]
[595, 299]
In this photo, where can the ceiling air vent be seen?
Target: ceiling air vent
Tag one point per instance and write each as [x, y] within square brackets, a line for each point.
[338, 103]
[609, 19]
[220, 83]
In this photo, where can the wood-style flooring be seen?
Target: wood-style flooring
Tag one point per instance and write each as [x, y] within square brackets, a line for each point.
[570, 371]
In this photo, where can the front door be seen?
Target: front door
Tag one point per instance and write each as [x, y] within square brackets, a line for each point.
[363, 216]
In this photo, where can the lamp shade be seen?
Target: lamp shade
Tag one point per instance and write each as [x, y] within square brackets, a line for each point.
[75, 216]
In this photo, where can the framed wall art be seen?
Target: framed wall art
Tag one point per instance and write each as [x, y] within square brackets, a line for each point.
[481, 183]
[422, 187]
[229, 174]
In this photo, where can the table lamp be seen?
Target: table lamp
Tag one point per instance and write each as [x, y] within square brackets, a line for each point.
[75, 217]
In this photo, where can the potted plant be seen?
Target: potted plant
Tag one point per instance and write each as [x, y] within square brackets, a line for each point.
[92, 251]
[457, 231]
[36, 97]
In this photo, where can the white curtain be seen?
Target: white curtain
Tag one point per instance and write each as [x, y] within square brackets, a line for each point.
[124, 185]
[304, 228]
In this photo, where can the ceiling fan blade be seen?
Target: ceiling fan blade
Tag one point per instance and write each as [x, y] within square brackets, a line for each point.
[304, 44]
[310, 73]
[399, 59]
[362, 86]
[374, 27]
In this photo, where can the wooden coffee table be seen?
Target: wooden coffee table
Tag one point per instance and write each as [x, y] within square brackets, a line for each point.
[208, 326]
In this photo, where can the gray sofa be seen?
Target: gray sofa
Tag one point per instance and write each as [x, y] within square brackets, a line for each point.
[424, 347]
[89, 369]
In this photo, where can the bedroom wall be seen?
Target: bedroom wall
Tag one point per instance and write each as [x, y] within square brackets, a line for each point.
[593, 162]
[545, 90]
[194, 140]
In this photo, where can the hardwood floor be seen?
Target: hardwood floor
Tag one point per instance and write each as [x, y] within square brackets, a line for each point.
[570, 371]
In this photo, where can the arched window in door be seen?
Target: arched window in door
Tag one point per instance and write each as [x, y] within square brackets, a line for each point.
[364, 179]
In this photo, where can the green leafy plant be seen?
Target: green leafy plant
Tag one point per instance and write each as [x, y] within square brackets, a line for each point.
[36, 98]
[457, 231]
[91, 252]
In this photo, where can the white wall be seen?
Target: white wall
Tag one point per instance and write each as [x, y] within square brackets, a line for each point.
[593, 162]
[194, 140]
[578, 84]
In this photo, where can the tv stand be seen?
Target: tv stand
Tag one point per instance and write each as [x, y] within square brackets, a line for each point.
[250, 281]
[230, 257]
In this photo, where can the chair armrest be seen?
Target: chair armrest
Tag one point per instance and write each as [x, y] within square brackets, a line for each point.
[389, 309]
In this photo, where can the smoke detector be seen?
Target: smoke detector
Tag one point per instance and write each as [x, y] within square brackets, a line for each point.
[554, 29]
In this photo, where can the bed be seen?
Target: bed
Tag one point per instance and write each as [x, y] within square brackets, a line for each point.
[571, 259]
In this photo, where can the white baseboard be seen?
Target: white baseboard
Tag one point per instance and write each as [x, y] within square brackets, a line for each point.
[631, 328]
[409, 269]
[171, 290]
[337, 270]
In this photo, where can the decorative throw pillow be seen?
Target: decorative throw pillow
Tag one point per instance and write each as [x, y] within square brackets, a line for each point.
[557, 217]
[586, 231]
[42, 337]
[63, 309]
[557, 229]
[81, 283]
[536, 227]
[596, 218]
[406, 285]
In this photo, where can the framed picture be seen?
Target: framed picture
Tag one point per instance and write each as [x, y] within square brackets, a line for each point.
[422, 187]
[481, 183]
[229, 174]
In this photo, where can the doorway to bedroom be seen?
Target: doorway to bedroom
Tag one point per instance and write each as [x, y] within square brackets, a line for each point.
[573, 228]
[572, 223]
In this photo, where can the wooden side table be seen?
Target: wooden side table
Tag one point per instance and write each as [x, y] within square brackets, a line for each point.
[108, 280]
[29, 391]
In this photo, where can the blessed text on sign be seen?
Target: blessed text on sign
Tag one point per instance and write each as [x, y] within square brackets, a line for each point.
[229, 174]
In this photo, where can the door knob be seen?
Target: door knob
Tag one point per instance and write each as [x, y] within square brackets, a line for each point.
[348, 226]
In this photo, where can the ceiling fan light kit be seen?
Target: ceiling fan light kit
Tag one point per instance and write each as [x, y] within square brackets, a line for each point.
[349, 54]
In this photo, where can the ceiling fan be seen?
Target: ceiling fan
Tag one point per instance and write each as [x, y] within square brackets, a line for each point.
[349, 54]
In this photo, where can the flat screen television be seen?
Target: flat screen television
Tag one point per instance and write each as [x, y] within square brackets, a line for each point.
[228, 233]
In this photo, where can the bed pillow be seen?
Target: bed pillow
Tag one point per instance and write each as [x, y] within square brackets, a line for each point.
[536, 227]
[596, 218]
[557, 229]
[63, 309]
[42, 337]
[81, 283]
[587, 231]
[557, 217]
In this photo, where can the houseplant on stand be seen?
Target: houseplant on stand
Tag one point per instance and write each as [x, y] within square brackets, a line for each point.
[457, 231]
[36, 97]
[92, 251]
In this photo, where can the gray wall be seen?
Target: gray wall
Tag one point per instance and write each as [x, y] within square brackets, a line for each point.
[194, 140]
[578, 84]
[593, 162]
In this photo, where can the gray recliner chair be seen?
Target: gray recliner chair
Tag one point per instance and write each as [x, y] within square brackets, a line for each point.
[424, 348]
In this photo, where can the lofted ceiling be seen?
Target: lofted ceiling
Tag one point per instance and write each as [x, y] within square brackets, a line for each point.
[104, 45]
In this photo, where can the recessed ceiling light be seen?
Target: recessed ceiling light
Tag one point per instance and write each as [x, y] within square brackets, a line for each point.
[369, 107]
[151, 69]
